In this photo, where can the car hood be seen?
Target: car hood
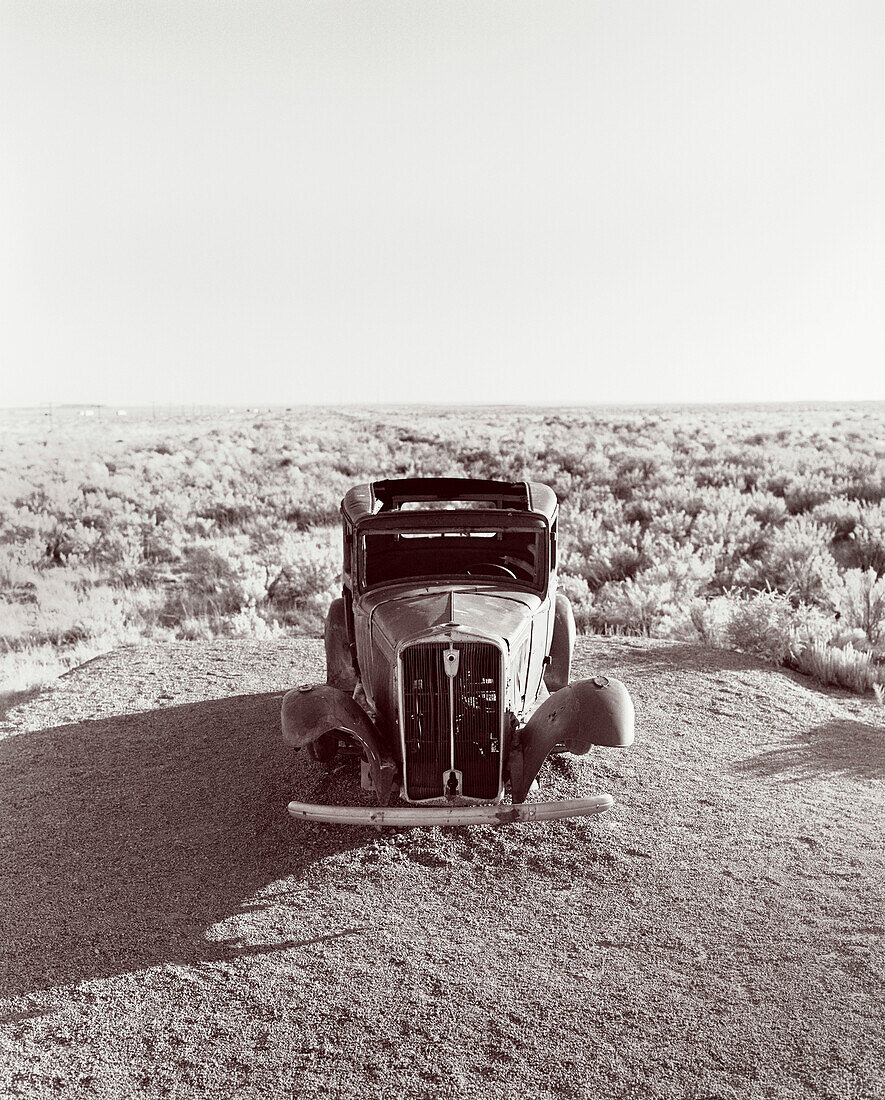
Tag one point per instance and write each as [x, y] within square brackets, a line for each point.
[482, 611]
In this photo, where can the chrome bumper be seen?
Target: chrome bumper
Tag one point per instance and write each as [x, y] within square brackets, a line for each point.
[452, 815]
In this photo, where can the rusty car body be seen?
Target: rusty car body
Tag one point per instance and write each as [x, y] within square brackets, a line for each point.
[448, 657]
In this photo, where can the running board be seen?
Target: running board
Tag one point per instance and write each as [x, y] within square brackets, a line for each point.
[496, 814]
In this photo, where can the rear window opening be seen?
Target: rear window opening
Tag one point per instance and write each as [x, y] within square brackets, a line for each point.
[443, 505]
[447, 534]
[511, 555]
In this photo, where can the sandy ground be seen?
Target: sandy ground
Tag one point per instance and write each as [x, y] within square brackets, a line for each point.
[166, 930]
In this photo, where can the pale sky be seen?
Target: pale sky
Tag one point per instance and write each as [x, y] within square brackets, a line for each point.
[431, 200]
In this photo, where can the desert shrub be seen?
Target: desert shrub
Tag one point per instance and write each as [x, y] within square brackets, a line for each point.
[631, 606]
[861, 602]
[601, 549]
[36, 665]
[312, 512]
[796, 560]
[766, 624]
[640, 512]
[228, 514]
[765, 507]
[776, 484]
[718, 473]
[859, 532]
[851, 637]
[840, 514]
[18, 572]
[16, 624]
[687, 571]
[710, 618]
[215, 580]
[728, 533]
[865, 480]
[655, 601]
[811, 624]
[127, 509]
[803, 494]
[581, 597]
[674, 525]
[867, 540]
[638, 471]
[161, 543]
[66, 610]
[844, 667]
[249, 623]
[582, 462]
[198, 629]
[760, 624]
[305, 565]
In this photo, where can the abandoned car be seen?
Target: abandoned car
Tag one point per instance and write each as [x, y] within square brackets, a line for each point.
[448, 658]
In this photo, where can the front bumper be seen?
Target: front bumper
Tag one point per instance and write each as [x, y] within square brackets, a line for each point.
[496, 814]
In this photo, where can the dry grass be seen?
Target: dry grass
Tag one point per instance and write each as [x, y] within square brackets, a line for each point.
[846, 668]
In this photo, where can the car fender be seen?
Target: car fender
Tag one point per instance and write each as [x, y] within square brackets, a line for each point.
[313, 710]
[598, 711]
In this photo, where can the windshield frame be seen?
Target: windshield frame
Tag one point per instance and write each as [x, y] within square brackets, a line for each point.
[452, 523]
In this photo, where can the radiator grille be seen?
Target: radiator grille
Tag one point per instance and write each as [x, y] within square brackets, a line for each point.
[429, 721]
[425, 720]
[477, 722]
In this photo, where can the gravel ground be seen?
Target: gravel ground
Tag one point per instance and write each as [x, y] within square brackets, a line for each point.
[166, 930]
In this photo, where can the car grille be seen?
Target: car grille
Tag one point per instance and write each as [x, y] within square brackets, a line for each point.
[433, 731]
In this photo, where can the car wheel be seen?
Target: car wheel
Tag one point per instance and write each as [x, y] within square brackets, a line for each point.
[325, 748]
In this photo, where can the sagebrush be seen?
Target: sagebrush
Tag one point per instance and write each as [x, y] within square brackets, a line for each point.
[760, 528]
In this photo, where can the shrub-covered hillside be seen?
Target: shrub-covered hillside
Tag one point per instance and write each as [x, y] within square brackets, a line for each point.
[761, 528]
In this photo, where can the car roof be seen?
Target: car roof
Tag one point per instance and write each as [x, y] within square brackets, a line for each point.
[380, 497]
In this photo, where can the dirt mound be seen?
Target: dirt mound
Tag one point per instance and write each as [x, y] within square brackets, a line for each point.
[167, 930]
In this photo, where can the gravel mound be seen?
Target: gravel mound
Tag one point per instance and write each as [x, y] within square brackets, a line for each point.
[166, 930]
